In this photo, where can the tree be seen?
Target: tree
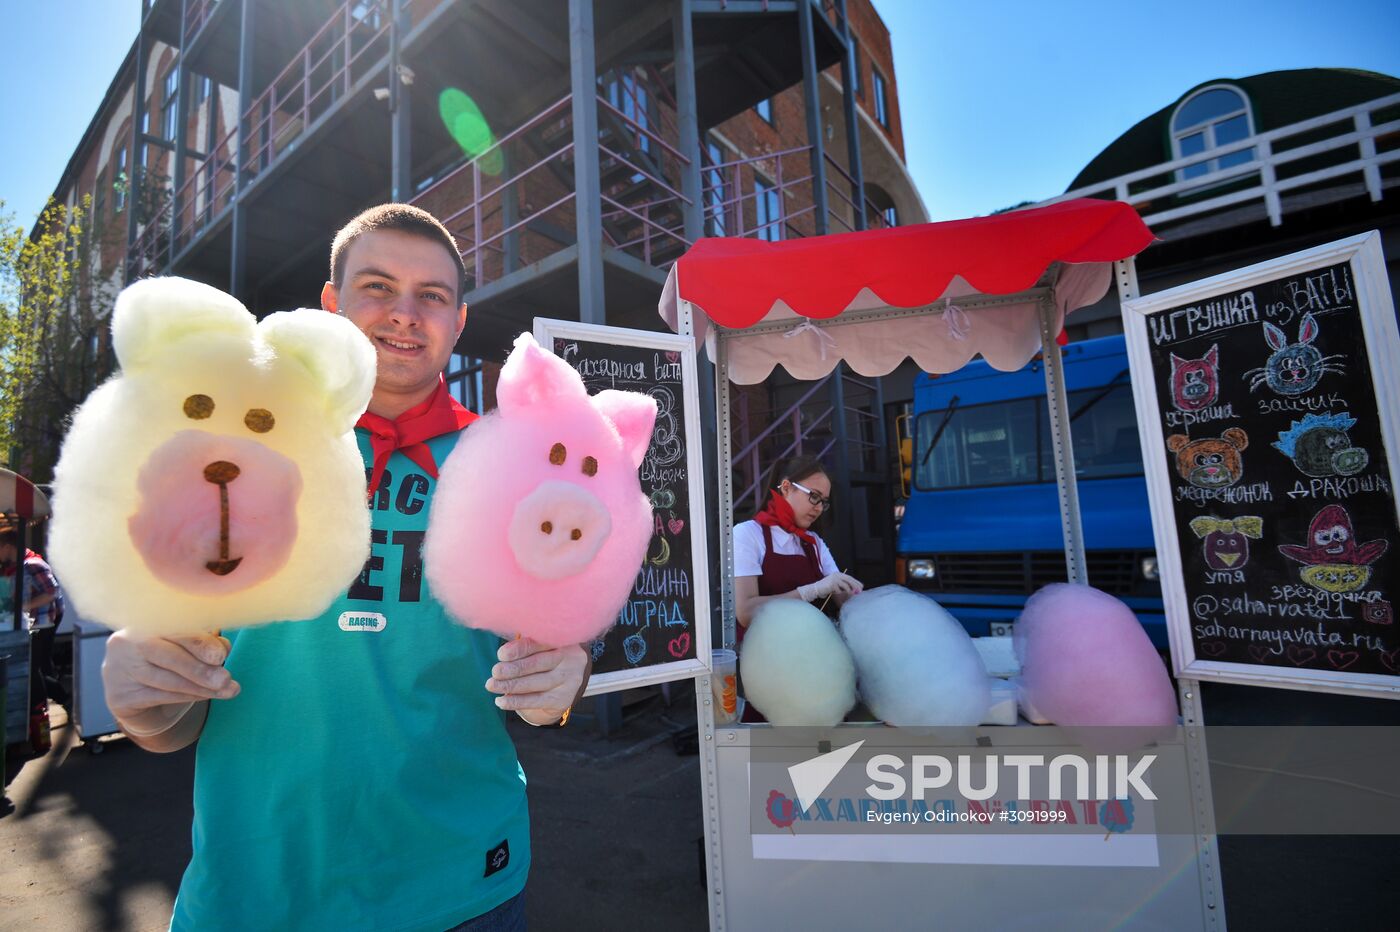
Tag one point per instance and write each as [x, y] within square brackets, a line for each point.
[52, 310]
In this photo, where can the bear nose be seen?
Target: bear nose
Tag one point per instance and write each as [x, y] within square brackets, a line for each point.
[221, 472]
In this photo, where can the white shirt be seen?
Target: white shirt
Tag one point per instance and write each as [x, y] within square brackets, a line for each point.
[749, 550]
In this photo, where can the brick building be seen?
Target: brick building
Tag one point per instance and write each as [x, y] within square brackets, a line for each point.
[573, 147]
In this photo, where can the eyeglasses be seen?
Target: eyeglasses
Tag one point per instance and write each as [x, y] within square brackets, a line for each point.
[814, 497]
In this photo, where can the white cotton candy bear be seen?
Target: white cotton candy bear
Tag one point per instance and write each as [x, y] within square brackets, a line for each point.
[917, 664]
[215, 481]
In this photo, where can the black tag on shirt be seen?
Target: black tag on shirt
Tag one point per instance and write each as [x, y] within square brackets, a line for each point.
[497, 858]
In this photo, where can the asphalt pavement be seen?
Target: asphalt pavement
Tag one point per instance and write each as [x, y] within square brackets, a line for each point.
[99, 841]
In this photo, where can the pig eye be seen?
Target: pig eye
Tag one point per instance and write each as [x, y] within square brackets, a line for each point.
[199, 407]
[590, 466]
[557, 454]
[259, 420]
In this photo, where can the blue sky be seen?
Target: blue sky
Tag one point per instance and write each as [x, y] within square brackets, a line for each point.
[1002, 100]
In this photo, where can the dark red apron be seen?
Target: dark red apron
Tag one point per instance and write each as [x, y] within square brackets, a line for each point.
[780, 573]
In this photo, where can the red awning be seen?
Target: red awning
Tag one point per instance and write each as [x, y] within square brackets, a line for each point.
[1060, 254]
[736, 282]
[19, 498]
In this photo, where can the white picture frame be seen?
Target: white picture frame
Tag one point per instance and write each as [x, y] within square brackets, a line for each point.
[1377, 315]
[546, 331]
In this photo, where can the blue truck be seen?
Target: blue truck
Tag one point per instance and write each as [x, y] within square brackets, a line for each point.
[980, 529]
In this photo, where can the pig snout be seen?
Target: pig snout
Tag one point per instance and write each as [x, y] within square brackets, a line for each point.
[557, 530]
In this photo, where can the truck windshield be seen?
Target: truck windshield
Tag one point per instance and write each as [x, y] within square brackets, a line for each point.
[1008, 442]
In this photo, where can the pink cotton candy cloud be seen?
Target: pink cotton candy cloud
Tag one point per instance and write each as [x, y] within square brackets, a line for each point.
[539, 524]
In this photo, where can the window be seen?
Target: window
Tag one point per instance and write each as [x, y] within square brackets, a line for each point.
[768, 211]
[890, 216]
[715, 196]
[882, 107]
[366, 12]
[1008, 442]
[99, 200]
[1214, 116]
[764, 108]
[203, 87]
[121, 183]
[629, 96]
[169, 112]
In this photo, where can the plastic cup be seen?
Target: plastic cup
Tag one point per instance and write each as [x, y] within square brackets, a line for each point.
[724, 668]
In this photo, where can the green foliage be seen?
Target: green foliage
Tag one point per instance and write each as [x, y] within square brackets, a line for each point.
[50, 316]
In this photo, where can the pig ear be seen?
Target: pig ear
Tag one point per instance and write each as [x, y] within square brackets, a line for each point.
[533, 376]
[338, 357]
[1276, 337]
[1177, 363]
[155, 313]
[634, 415]
[1213, 355]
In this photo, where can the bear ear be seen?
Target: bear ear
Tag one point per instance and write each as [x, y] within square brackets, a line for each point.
[152, 314]
[534, 376]
[1177, 441]
[1236, 438]
[634, 415]
[338, 357]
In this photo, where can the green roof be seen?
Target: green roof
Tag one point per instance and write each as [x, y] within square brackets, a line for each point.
[1277, 99]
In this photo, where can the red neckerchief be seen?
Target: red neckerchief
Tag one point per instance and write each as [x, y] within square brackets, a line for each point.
[780, 514]
[8, 569]
[439, 414]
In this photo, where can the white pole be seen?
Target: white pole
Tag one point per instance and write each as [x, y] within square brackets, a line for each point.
[1057, 400]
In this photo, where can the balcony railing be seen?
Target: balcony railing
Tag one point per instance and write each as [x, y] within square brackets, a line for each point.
[197, 13]
[341, 52]
[1285, 160]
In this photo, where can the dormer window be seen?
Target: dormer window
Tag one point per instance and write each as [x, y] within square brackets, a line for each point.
[1213, 116]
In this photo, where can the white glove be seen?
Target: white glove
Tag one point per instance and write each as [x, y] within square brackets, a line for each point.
[150, 683]
[836, 583]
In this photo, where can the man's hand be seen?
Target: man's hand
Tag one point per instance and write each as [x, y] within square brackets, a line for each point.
[540, 683]
[150, 682]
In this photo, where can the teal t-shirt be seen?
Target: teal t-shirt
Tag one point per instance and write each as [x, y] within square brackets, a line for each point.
[363, 777]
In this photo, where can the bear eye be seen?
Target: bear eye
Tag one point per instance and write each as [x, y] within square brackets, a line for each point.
[590, 466]
[199, 407]
[259, 420]
[557, 454]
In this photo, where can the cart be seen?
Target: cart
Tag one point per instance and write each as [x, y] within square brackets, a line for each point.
[1001, 287]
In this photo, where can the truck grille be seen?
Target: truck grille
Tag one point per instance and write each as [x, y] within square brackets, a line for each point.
[1114, 571]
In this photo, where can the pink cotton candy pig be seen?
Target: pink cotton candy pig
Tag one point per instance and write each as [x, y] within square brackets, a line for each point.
[1086, 661]
[539, 524]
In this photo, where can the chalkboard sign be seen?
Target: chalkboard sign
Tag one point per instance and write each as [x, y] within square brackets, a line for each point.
[1268, 400]
[662, 632]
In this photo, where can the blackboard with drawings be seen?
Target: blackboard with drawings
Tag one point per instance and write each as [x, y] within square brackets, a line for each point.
[1268, 400]
[656, 637]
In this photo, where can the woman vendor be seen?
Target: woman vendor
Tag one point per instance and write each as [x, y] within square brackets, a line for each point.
[776, 554]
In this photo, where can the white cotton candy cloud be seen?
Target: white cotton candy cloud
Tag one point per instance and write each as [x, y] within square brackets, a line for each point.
[916, 663]
[795, 668]
[214, 481]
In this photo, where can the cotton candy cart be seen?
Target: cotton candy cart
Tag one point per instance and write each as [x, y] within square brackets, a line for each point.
[940, 294]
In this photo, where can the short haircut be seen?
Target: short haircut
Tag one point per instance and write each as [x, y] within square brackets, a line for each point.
[406, 219]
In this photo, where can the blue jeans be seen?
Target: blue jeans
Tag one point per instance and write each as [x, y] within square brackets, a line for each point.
[508, 917]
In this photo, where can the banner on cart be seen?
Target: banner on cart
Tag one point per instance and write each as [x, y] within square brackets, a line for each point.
[994, 797]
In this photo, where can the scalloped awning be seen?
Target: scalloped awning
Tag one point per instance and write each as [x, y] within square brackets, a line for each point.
[737, 283]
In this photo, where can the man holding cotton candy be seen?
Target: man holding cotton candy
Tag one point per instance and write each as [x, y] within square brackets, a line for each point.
[353, 770]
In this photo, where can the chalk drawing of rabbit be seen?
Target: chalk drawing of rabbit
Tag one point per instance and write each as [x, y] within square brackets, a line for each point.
[1294, 368]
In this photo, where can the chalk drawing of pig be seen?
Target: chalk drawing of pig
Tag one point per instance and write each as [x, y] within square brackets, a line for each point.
[539, 524]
